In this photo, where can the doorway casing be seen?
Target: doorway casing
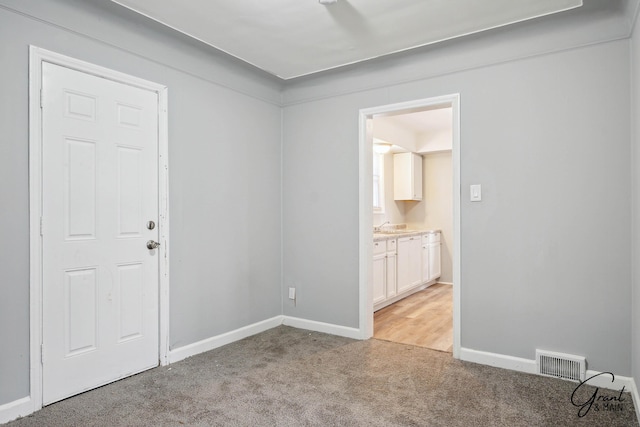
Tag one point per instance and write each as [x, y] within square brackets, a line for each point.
[36, 57]
[366, 203]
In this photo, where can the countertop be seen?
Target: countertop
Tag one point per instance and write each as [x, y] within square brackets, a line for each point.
[378, 237]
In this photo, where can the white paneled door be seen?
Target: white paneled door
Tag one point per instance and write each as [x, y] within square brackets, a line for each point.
[100, 190]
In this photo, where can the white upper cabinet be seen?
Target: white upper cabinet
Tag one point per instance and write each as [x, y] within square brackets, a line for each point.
[407, 176]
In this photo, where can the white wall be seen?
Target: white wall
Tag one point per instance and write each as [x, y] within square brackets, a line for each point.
[393, 210]
[545, 256]
[224, 148]
[320, 208]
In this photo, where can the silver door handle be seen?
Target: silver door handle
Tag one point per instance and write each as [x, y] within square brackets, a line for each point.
[152, 245]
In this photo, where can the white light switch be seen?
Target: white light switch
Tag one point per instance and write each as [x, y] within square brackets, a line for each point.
[476, 193]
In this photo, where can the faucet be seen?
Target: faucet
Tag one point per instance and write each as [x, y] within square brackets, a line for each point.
[380, 226]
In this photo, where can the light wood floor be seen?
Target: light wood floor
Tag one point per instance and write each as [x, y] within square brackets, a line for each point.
[423, 319]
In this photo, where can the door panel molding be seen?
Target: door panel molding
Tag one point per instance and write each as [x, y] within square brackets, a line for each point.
[36, 58]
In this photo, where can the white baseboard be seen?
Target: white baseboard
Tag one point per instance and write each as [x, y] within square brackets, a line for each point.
[18, 408]
[180, 353]
[604, 381]
[529, 366]
[327, 328]
[498, 360]
[445, 283]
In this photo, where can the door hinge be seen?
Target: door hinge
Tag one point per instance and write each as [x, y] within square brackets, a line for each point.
[41, 226]
[42, 354]
[41, 99]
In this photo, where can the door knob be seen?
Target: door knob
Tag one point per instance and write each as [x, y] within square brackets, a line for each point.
[152, 245]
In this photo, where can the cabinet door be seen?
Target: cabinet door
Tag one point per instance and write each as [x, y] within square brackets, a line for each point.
[415, 251]
[379, 278]
[426, 261]
[391, 275]
[409, 263]
[416, 178]
[435, 268]
[403, 276]
[407, 176]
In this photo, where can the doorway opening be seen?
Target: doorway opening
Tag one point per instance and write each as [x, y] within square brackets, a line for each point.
[410, 268]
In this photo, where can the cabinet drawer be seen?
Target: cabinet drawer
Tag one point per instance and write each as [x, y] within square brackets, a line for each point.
[391, 245]
[379, 247]
[431, 238]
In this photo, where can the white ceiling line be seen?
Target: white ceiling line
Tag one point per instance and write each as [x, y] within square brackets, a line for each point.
[295, 38]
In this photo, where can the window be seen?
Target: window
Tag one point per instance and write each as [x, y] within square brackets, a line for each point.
[378, 183]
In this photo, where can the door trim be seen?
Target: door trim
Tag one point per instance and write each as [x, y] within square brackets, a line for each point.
[36, 57]
[366, 214]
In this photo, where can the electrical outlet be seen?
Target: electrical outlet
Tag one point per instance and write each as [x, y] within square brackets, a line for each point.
[292, 293]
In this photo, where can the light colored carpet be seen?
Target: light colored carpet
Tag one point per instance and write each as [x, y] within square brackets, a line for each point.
[293, 377]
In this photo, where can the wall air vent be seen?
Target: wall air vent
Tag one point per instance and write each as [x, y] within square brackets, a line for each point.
[559, 365]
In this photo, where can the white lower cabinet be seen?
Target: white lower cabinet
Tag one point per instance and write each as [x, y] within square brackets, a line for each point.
[426, 273]
[402, 265]
[392, 286]
[435, 269]
[409, 263]
[431, 268]
[379, 272]
[392, 273]
[379, 278]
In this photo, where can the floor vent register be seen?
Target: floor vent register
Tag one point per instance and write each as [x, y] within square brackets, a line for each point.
[560, 365]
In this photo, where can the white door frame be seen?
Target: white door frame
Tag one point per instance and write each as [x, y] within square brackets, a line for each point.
[366, 212]
[36, 57]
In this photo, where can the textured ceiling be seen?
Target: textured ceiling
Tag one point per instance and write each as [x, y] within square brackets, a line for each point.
[292, 38]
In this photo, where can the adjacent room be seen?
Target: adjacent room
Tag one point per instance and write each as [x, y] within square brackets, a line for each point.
[413, 238]
[320, 212]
